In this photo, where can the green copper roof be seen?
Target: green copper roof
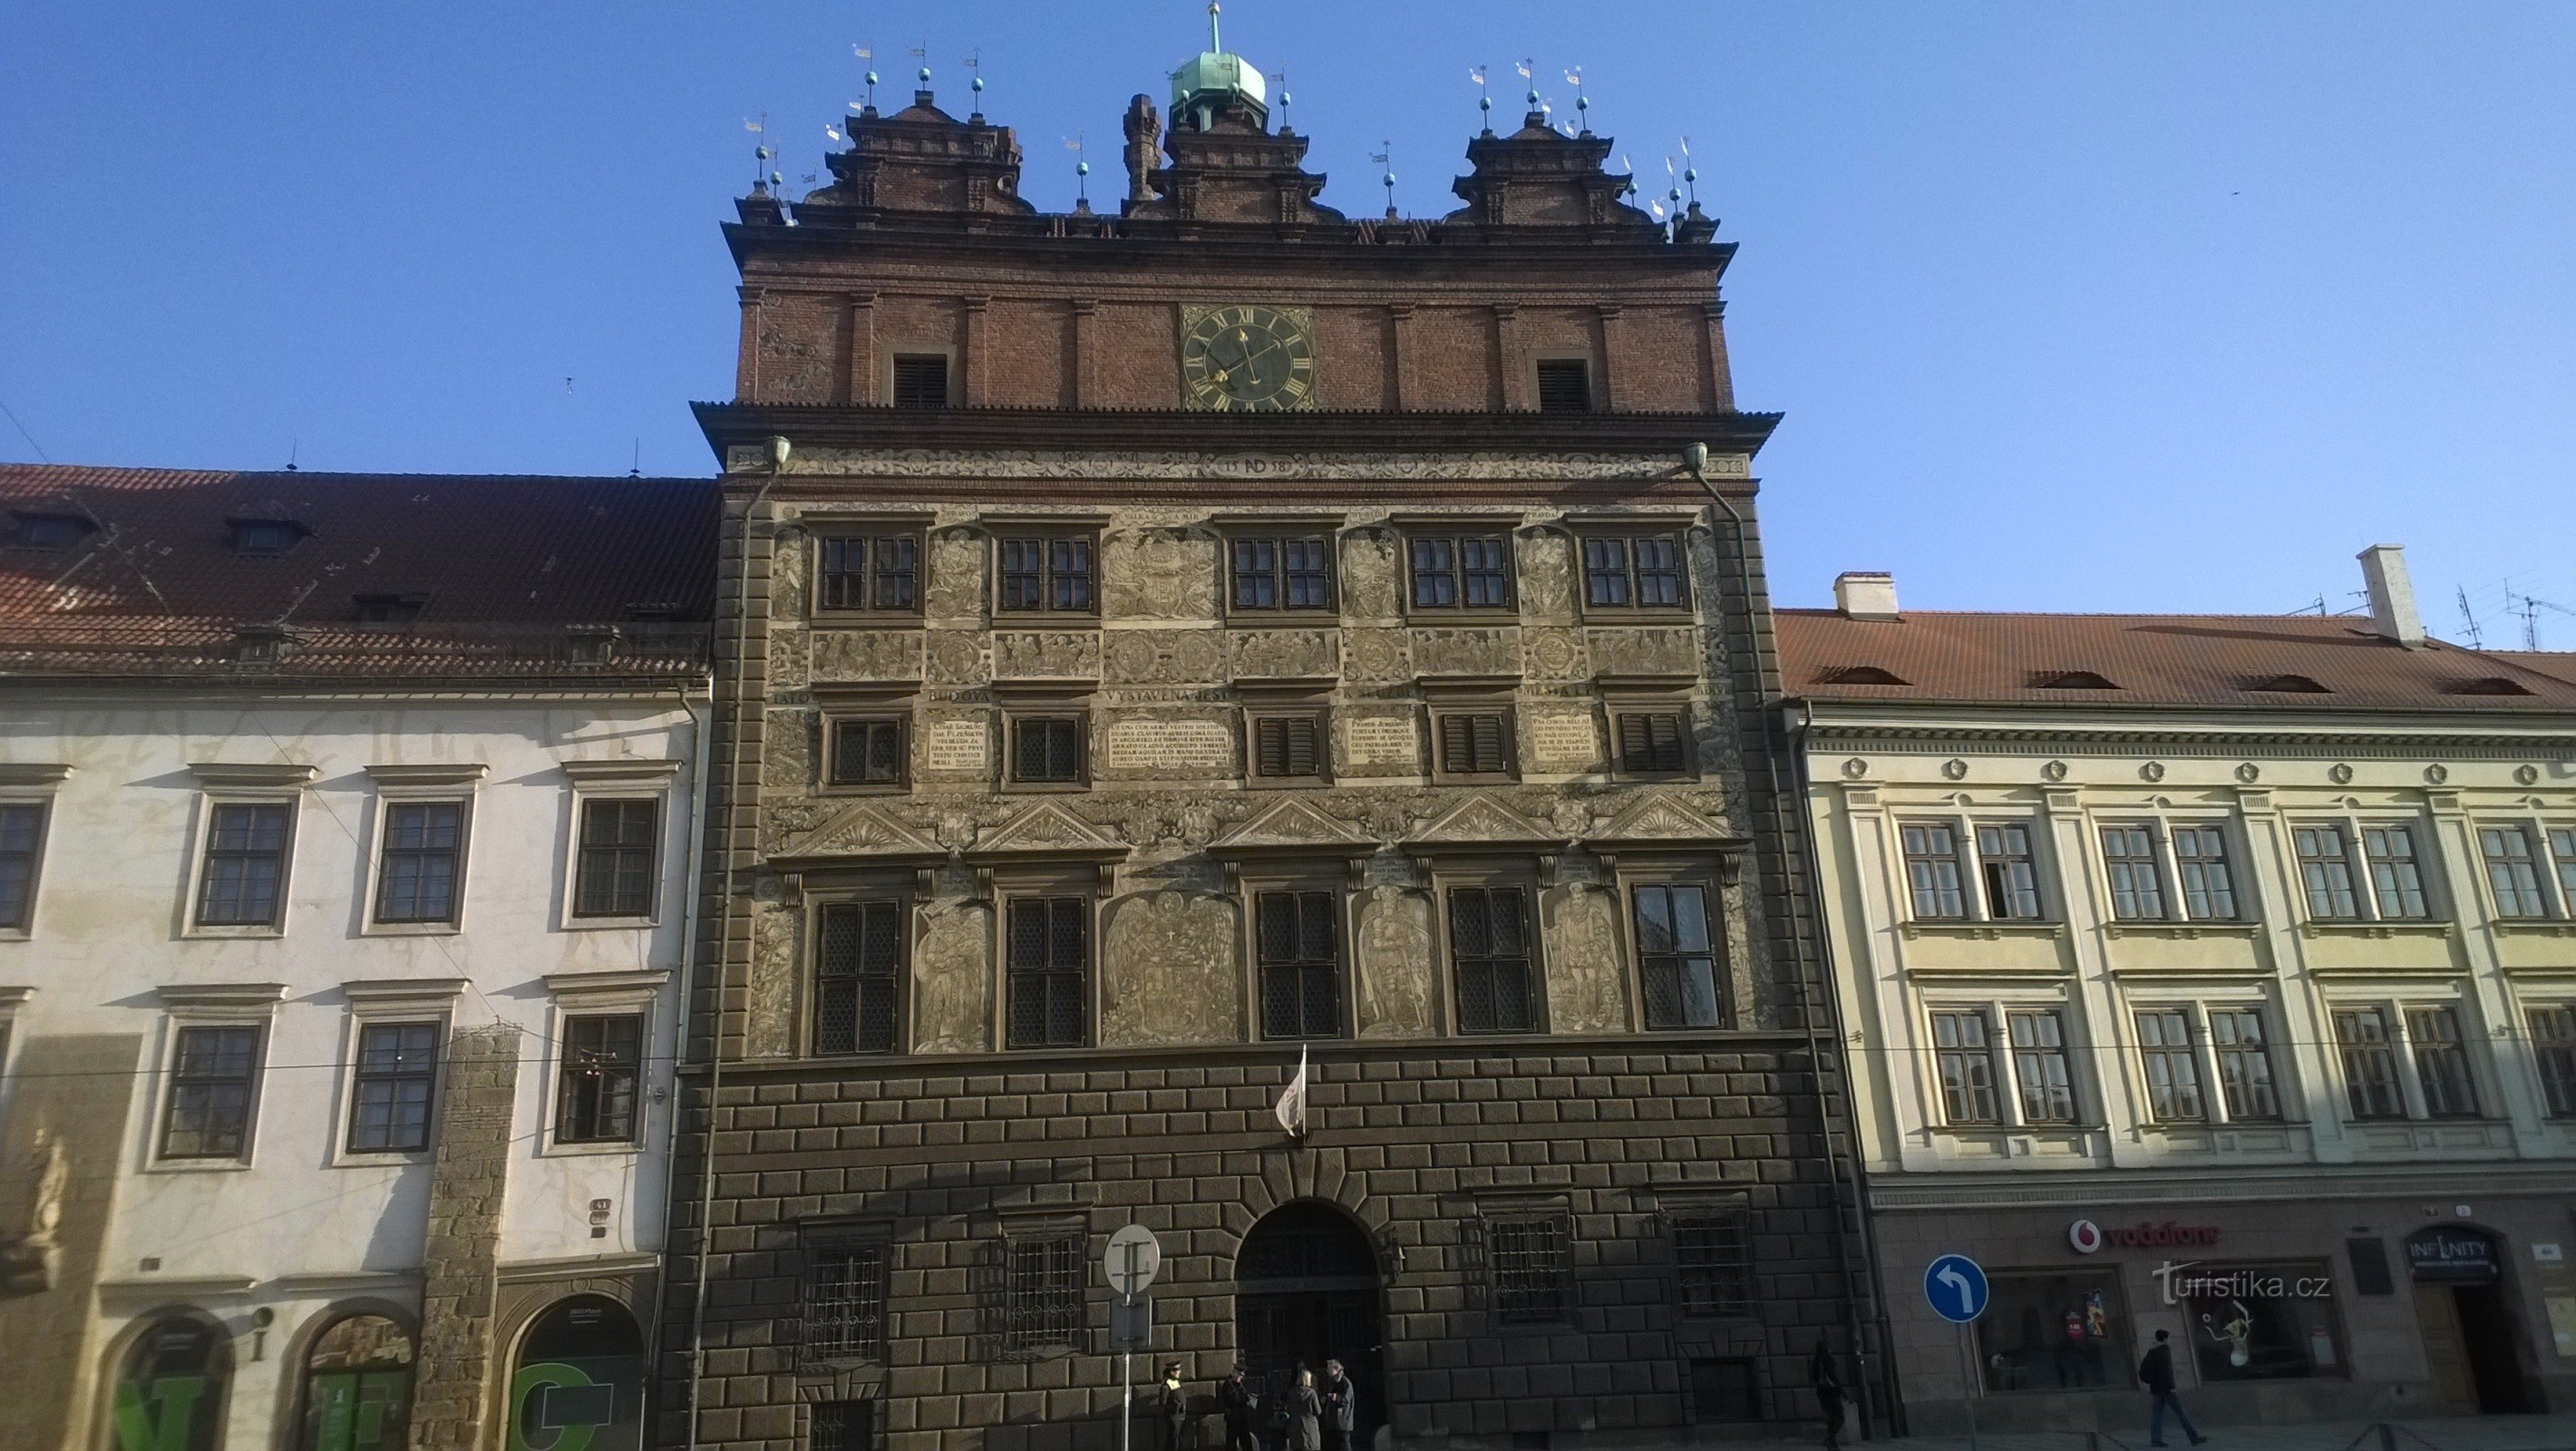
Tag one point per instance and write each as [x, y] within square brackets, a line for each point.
[1218, 71]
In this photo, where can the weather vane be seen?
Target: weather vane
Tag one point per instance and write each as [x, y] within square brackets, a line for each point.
[865, 53]
[1386, 158]
[974, 62]
[1529, 73]
[1582, 102]
[1690, 172]
[1484, 99]
[921, 53]
[761, 153]
[1280, 80]
[1081, 168]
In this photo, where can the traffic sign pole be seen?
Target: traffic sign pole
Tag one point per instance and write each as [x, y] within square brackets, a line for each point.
[1968, 1366]
[1131, 1261]
[1959, 1292]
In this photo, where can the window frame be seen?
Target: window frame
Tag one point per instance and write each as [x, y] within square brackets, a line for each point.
[2121, 868]
[390, 800]
[2360, 869]
[1968, 863]
[1257, 713]
[2389, 1046]
[1341, 977]
[1540, 361]
[1548, 1305]
[1736, 1282]
[2422, 1051]
[2553, 1055]
[358, 1077]
[2262, 1051]
[42, 803]
[576, 917]
[896, 899]
[1525, 884]
[1456, 534]
[874, 1284]
[2548, 897]
[254, 1083]
[1018, 713]
[1062, 1299]
[895, 352]
[1084, 900]
[1438, 711]
[837, 717]
[559, 1104]
[1685, 743]
[213, 802]
[1628, 534]
[1045, 536]
[876, 535]
[2061, 1052]
[2180, 1061]
[1324, 533]
[1712, 890]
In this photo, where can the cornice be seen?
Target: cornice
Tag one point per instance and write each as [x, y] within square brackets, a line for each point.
[2511, 740]
[2201, 1184]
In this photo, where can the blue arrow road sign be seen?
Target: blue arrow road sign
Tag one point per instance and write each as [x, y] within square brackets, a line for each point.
[1956, 1286]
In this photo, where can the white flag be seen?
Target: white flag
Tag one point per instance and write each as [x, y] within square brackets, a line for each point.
[1292, 1103]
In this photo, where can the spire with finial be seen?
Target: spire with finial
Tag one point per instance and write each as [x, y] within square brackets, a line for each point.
[974, 62]
[867, 53]
[1386, 157]
[1484, 101]
[1216, 43]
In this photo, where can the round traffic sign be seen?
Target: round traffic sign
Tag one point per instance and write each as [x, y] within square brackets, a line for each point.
[1133, 1258]
[1956, 1286]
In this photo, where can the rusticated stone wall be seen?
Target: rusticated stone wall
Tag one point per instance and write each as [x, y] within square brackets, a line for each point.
[460, 1256]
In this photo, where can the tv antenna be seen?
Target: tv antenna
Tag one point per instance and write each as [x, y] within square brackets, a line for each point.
[2469, 622]
[635, 470]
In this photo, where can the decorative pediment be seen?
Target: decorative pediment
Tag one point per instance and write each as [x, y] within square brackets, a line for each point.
[859, 829]
[1483, 819]
[1660, 818]
[1048, 827]
[1292, 824]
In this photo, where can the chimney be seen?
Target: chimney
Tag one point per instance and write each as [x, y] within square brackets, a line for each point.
[2392, 596]
[1866, 594]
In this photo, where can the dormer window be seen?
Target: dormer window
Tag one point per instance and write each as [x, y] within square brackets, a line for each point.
[388, 609]
[265, 536]
[1862, 675]
[2290, 685]
[2486, 685]
[50, 531]
[653, 612]
[2070, 680]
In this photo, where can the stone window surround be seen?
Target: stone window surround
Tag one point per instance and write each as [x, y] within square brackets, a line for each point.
[1272, 698]
[1678, 526]
[2195, 1001]
[2352, 820]
[1645, 695]
[1719, 876]
[1979, 916]
[2160, 819]
[227, 784]
[1484, 869]
[911, 524]
[1471, 695]
[1017, 700]
[1673, 1206]
[32, 785]
[2395, 1001]
[374, 1001]
[412, 785]
[880, 1235]
[897, 700]
[631, 778]
[2558, 902]
[1995, 1003]
[816, 890]
[2525, 999]
[1093, 882]
[1343, 876]
[888, 349]
[1409, 526]
[1328, 527]
[210, 1005]
[999, 527]
[604, 994]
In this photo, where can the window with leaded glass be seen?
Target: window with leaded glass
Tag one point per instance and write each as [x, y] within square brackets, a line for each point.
[2208, 887]
[2325, 871]
[1964, 1055]
[869, 751]
[22, 846]
[1652, 742]
[395, 1088]
[1677, 956]
[844, 1301]
[874, 573]
[2137, 881]
[1642, 572]
[1461, 572]
[1531, 1264]
[417, 873]
[2172, 1065]
[2040, 1067]
[1301, 967]
[1046, 750]
[2244, 1053]
[619, 838]
[1049, 574]
[244, 880]
[1049, 956]
[2442, 1062]
[602, 1064]
[1932, 870]
[858, 968]
[2369, 1063]
[2396, 878]
[1473, 743]
[1288, 745]
[1042, 1292]
[1489, 950]
[2553, 1044]
[1287, 573]
[842, 1426]
[2011, 875]
[212, 1078]
[2513, 871]
[1713, 1263]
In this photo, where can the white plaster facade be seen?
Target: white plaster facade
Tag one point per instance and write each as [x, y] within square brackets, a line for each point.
[274, 1242]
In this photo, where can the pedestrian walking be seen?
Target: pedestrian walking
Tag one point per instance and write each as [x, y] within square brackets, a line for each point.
[1341, 1402]
[1829, 1393]
[1175, 1404]
[2156, 1373]
[1241, 1406]
[1308, 1411]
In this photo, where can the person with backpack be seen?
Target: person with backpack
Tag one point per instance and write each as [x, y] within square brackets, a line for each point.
[2156, 1373]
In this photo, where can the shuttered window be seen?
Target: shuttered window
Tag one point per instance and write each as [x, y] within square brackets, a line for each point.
[920, 380]
[1301, 967]
[1475, 742]
[1050, 962]
[1652, 743]
[1288, 746]
[858, 966]
[1489, 947]
[1564, 385]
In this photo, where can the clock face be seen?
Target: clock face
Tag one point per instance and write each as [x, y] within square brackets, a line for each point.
[1248, 359]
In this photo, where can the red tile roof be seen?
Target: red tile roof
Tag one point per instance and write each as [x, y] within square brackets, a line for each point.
[2225, 661]
[501, 568]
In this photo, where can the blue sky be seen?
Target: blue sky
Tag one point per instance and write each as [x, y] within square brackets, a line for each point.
[2102, 306]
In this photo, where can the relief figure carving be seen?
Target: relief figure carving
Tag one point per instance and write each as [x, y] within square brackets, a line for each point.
[1582, 960]
[1395, 963]
[956, 590]
[1545, 570]
[1658, 650]
[787, 547]
[1050, 653]
[1167, 971]
[1165, 656]
[777, 932]
[867, 655]
[787, 755]
[1284, 654]
[1158, 574]
[1493, 651]
[1369, 573]
[788, 645]
[951, 975]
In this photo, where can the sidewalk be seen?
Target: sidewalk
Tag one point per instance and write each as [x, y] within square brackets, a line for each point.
[2463, 1433]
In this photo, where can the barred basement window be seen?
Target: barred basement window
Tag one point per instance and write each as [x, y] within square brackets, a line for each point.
[1042, 1293]
[1653, 743]
[920, 380]
[1050, 960]
[1564, 385]
[1489, 949]
[843, 1426]
[1531, 1266]
[868, 752]
[1300, 953]
[1474, 742]
[844, 1302]
[1713, 1264]
[1288, 747]
[858, 962]
[868, 572]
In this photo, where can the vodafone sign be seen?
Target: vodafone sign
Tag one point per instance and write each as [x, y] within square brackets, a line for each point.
[2088, 1237]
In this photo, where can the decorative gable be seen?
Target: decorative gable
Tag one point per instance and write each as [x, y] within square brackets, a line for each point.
[859, 829]
[1048, 827]
[1661, 818]
[1291, 823]
[1481, 818]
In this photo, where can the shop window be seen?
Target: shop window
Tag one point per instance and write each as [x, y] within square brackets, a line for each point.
[171, 1387]
[579, 1380]
[357, 1387]
[2260, 1322]
[2054, 1332]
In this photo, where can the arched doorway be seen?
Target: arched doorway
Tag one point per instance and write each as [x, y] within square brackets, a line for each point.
[2460, 1303]
[357, 1386]
[170, 1386]
[579, 1382]
[1306, 1291]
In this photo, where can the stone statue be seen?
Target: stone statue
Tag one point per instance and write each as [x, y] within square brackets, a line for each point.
[29, 1260]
